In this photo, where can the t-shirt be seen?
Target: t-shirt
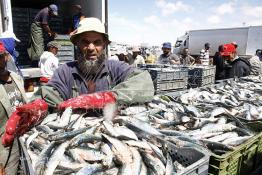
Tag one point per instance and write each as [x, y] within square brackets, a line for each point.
[14, 95]
[139, 60]
[166, 59]
[48, 64]
[42, 16]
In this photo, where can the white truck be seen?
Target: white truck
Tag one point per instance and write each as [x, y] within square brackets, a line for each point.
[17, 15]
[249, 39]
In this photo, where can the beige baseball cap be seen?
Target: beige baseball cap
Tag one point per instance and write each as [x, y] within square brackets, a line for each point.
[89, 25]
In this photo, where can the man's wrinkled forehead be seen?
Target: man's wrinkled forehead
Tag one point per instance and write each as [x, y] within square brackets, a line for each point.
[91, 36]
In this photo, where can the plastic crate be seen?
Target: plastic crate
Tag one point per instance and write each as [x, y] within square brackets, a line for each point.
[169, 86]
[194, 81]
[167, 74]
[195, 161]
[201, 70]
[245, 159]
[66, 51]
[146, 66]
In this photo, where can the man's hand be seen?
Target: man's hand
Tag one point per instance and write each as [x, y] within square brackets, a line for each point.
[52, 34]
[96, 100]
[24, 118]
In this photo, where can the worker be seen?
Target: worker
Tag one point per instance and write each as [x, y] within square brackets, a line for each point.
[49, 62]
[167, 57]
[256, 64]
[150, 58]
[237, 67]
[122, 55]
[185, 58]
[91, 82]
[205, 53]
[12, 94]
[40, 25]
[77, 17]
[138, 59]
[219, 62]
[9, 40]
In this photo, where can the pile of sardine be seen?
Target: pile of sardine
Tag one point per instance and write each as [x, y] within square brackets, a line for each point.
[208, 116]
[72, 143]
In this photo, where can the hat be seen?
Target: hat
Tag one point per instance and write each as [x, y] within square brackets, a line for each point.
[228, 49]
[9, 34]
[167, 45]
[121, 51]
[89, 25]
[2, 48]
[136, 49]
[54, 9]
[53, 44]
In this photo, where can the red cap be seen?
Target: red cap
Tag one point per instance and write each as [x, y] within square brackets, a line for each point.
[2, 48]
[228, 49]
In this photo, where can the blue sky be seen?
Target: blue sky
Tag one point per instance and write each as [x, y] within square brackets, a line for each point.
[157, 21]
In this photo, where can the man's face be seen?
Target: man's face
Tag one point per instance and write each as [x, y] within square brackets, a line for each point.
[54, 50]
[135, 54]
[76, 10]
[166, 50]
[91, 46]
[3, 61]
[186, 52]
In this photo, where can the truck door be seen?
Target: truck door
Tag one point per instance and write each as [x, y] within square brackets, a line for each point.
[5, 16]
[254, 40]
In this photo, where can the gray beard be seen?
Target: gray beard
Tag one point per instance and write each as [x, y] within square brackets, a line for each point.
[90, 69]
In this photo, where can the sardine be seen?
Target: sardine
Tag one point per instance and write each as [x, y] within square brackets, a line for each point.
[169, 165]
[236, 140]
[155, 164]
[55, 158]
[137, 161]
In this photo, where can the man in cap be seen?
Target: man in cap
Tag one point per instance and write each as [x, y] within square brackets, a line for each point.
[167, 57]
[138, 59]
[237, 67]
[219, 62]
[40, 25]
[150, 58]
[91, 82]
[49, 62]
[12, 95]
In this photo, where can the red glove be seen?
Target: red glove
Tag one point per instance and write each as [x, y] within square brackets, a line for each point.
[24, 118]
[88, 101]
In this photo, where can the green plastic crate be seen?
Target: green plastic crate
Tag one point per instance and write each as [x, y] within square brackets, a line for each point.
[242, 161]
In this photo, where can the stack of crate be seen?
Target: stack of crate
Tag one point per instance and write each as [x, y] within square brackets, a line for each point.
[21, 25]
[66, 51]
[168, 80]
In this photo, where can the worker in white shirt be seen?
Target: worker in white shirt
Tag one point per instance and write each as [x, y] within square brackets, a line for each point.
[204, 53]
[138, 59]
[49, 62]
